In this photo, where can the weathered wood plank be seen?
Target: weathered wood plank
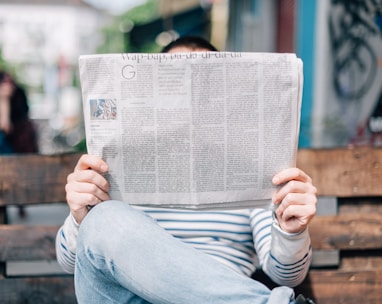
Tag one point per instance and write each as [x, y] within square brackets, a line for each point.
[339, 285]
[34, 179]
[18, 242]
[361, 260]
[343, 287]
[344, 232]
[347, 232]
[45, 290]
[344, 172]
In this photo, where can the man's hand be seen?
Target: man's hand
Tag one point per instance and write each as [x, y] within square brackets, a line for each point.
[296, 200]
[86, 186]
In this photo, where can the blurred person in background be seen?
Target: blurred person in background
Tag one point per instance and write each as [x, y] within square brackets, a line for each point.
[5, 115]
[18, 131]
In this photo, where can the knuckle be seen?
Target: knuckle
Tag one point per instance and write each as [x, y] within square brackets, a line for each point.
[314, 190]
[93, 188]
[88, 198]
[69, 178]
[293, 184]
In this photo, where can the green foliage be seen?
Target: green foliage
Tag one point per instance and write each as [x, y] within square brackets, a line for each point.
[115, 34]
[143, 13]
[5, 66]
[113, 40]
[81, 146]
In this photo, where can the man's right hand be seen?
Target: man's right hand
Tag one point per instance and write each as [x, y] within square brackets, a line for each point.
[86, 186]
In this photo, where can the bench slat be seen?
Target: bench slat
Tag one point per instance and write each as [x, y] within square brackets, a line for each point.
[34, 179]
[346, 232]
[18, 242]
[343, 172]
[45, 290]
[337, 286]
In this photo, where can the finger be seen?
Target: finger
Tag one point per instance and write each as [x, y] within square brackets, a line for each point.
[88, 161]
[296, 218]
[89, 177]
[291, 174]
[293, 186]
[298, 200]
[304, 213]
[80, 201]
[79, 204]
[90, 192]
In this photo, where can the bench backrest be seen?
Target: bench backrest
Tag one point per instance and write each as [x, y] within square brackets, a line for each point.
[347, 240]
[27, 180]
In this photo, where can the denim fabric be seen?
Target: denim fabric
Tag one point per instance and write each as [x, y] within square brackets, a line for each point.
[123, 256]
[5, 147]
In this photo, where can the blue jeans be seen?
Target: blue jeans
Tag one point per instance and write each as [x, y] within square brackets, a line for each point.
[124, 256]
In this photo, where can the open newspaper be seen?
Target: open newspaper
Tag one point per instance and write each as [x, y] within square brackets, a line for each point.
[193, 130]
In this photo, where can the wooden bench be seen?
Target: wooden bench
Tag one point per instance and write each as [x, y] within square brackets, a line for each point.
[32, 180]
[346, 234]
[353, 177]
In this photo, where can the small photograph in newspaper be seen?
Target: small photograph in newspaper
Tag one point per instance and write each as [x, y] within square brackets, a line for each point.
[102, 109]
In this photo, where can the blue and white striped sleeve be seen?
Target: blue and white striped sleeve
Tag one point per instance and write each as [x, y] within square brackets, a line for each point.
[284, 257]
[66, 242]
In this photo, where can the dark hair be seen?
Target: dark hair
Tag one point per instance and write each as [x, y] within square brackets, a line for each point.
[4, 76]
[192, 42]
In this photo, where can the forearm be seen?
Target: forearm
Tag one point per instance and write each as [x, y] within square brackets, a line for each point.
[66, 243]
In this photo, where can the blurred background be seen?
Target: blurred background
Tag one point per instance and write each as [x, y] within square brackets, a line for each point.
[340, 42]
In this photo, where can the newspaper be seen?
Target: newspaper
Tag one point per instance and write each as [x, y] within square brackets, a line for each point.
[193, 130]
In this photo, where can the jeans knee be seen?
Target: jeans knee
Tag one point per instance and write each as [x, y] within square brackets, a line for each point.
[109, 222]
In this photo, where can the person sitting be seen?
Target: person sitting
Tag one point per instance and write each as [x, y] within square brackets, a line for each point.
[125, 254]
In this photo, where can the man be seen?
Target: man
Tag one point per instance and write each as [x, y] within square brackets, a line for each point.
[125, 254]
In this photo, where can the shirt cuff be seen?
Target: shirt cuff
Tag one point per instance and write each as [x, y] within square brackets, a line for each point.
[289, 247]
[71, 228]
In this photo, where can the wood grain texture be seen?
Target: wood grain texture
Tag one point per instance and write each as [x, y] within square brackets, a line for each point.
[43, 290]
[355, 232]
[23, 243]
[343, 287]
[344, 172]
[347, 231]
[34, 179]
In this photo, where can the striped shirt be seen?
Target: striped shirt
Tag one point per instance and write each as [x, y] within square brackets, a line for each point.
[240, 239]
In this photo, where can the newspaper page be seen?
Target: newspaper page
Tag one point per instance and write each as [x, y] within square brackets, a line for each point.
[193, 130]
